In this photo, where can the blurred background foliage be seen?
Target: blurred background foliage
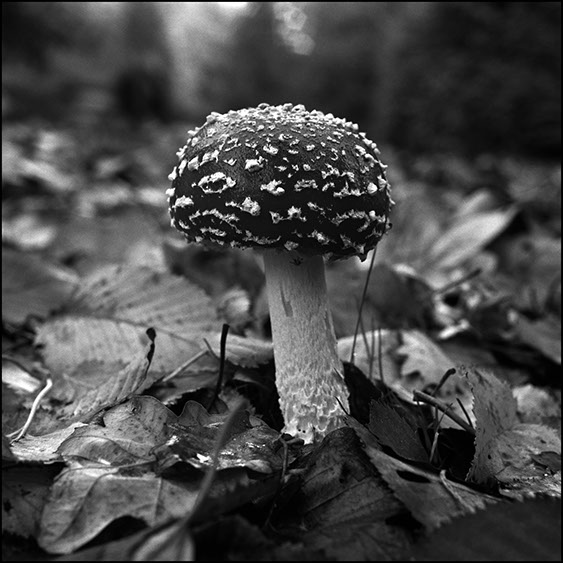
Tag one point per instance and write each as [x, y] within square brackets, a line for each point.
[465, 77]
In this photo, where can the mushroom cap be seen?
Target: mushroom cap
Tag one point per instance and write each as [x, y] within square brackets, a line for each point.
[281, 177]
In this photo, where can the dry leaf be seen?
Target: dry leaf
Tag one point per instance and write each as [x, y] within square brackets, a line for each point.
[373, 351]
[432, 499]
[84, 500]
[32, 286]
[422, 356]
[104, 319]
[543, 334]
[504, 448]
[467, 237]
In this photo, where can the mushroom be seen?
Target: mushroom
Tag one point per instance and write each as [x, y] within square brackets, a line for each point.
[300, 186]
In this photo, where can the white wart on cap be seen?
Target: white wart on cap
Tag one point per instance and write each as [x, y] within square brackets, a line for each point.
[281, 177]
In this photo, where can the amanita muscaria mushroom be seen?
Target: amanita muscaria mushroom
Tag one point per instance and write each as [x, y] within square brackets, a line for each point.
[299, 186]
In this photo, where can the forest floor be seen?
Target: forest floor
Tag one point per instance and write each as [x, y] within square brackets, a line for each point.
[154, 438]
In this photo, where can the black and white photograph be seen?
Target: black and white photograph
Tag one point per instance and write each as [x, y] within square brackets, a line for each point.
[281, 281]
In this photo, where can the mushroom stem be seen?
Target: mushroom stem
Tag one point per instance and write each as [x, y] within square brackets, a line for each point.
[309, 373]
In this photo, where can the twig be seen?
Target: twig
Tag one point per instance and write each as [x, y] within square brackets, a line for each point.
[380, 354]
[361, 307]
[186, 364]
[445, 377]
[465, 412]
[207, 481]
[372, 352]
[446, 409]
[224, 333]
[21, 433]
[472, 274]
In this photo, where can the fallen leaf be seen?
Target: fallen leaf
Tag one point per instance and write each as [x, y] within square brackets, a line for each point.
[128, 433]
[373, 354]
[421, 356]
[542, 334]
[43, 448]
[32, 286]
[395, 432]
[431, 498]
[7, 454]
[342, 496]
[107, 386]
[103, 321]
[243, 351]
[24, 493]
[112, 464]
[84, 500]
[536, 405]
[170, 541]
[469, 234]
[504, 447]
[249, 443]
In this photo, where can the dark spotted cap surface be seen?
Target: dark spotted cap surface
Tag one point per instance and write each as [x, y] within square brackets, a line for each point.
[281, 177]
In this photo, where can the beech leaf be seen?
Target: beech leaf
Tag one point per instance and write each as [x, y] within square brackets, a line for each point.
[107, 387]
[32, 286]
[103, 320]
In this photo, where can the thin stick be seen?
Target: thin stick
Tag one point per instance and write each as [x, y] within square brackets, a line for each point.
[361, 307]
[34, 408]
[372, 351]
[185, 365]
[220, 441]
[445, 377]
[455, 283]
[465, 412]
[224, 332]
[379, 354]
[364, 336]
[424, 398]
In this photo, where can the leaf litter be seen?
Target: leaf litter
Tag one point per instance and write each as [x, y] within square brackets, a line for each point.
[139, 427]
